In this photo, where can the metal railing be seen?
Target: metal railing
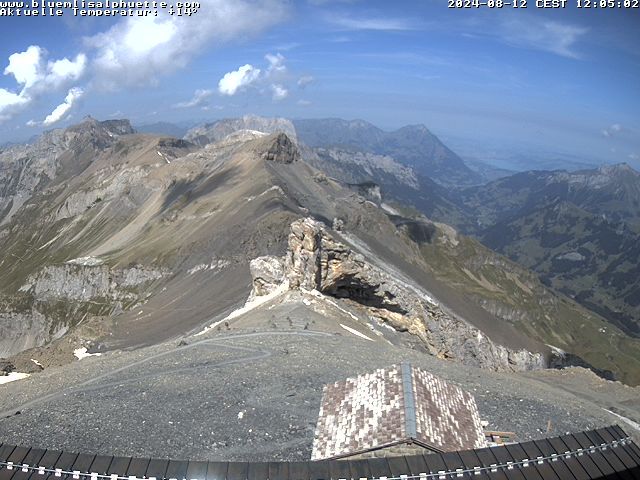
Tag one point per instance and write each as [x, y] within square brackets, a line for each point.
[439, 475]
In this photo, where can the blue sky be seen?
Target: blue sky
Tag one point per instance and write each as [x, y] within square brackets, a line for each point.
[563, 80]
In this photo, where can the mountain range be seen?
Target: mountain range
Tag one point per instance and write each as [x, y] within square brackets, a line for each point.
[139, 238]
[208, 287]
[577, 230]
[154, 227]
[413, 146]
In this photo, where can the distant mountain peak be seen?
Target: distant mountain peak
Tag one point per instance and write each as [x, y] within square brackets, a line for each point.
[618, 169]
[358, 123]
[120, 127]
[418, 127]
[113, 127]
[216, 131]
[413, 146]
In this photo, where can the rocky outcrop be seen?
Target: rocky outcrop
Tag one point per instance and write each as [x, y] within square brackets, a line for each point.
[317, 261]
[79, 282]
[277, 148]
[73, 282]
[6, 367]
[267, 273]
[368, 190]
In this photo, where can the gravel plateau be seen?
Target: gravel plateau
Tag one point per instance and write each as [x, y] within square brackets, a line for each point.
[250, 389]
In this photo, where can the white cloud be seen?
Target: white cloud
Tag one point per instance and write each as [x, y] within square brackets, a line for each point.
[62, 71]
[304, 103]
[279, 92]
[32, 123]
[138, 50]
[288, 46]
[272, 79]
[199, 99]
[305, 80]
[612, 130]
[276, 63]
[541, 34]
[10, 100]
[25, 66]
[61, 110]
[634, 156]
[371, 23]
[234, 81]
[35, 76]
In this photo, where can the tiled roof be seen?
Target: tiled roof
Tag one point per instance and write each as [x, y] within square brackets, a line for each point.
[391, 405]
[446, 416]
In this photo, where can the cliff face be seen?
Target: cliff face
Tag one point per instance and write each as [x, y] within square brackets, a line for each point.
[86, 282]
[22, 330]
[60, 296]
[315, 261]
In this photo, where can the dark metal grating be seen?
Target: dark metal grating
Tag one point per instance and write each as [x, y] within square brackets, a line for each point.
[606, 453]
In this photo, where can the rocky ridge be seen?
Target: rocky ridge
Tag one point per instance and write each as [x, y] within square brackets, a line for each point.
[26, 169]
[316, 261]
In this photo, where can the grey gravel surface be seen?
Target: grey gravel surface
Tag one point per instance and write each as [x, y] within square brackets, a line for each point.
[252, 395]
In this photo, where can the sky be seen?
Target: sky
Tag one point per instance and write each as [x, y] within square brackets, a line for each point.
[539, 79]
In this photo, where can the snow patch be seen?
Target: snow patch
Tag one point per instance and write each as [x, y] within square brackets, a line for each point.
[626, 420]
[86, 261]
[214, 265]
[248, 306]
[81, 353]
[387, 326]
[557, 351]
[571, 256]
[321, 296]
[162, 156]
[12, 377]
[276, 188]
[389, 209]
[356, 333]
[37, 363]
